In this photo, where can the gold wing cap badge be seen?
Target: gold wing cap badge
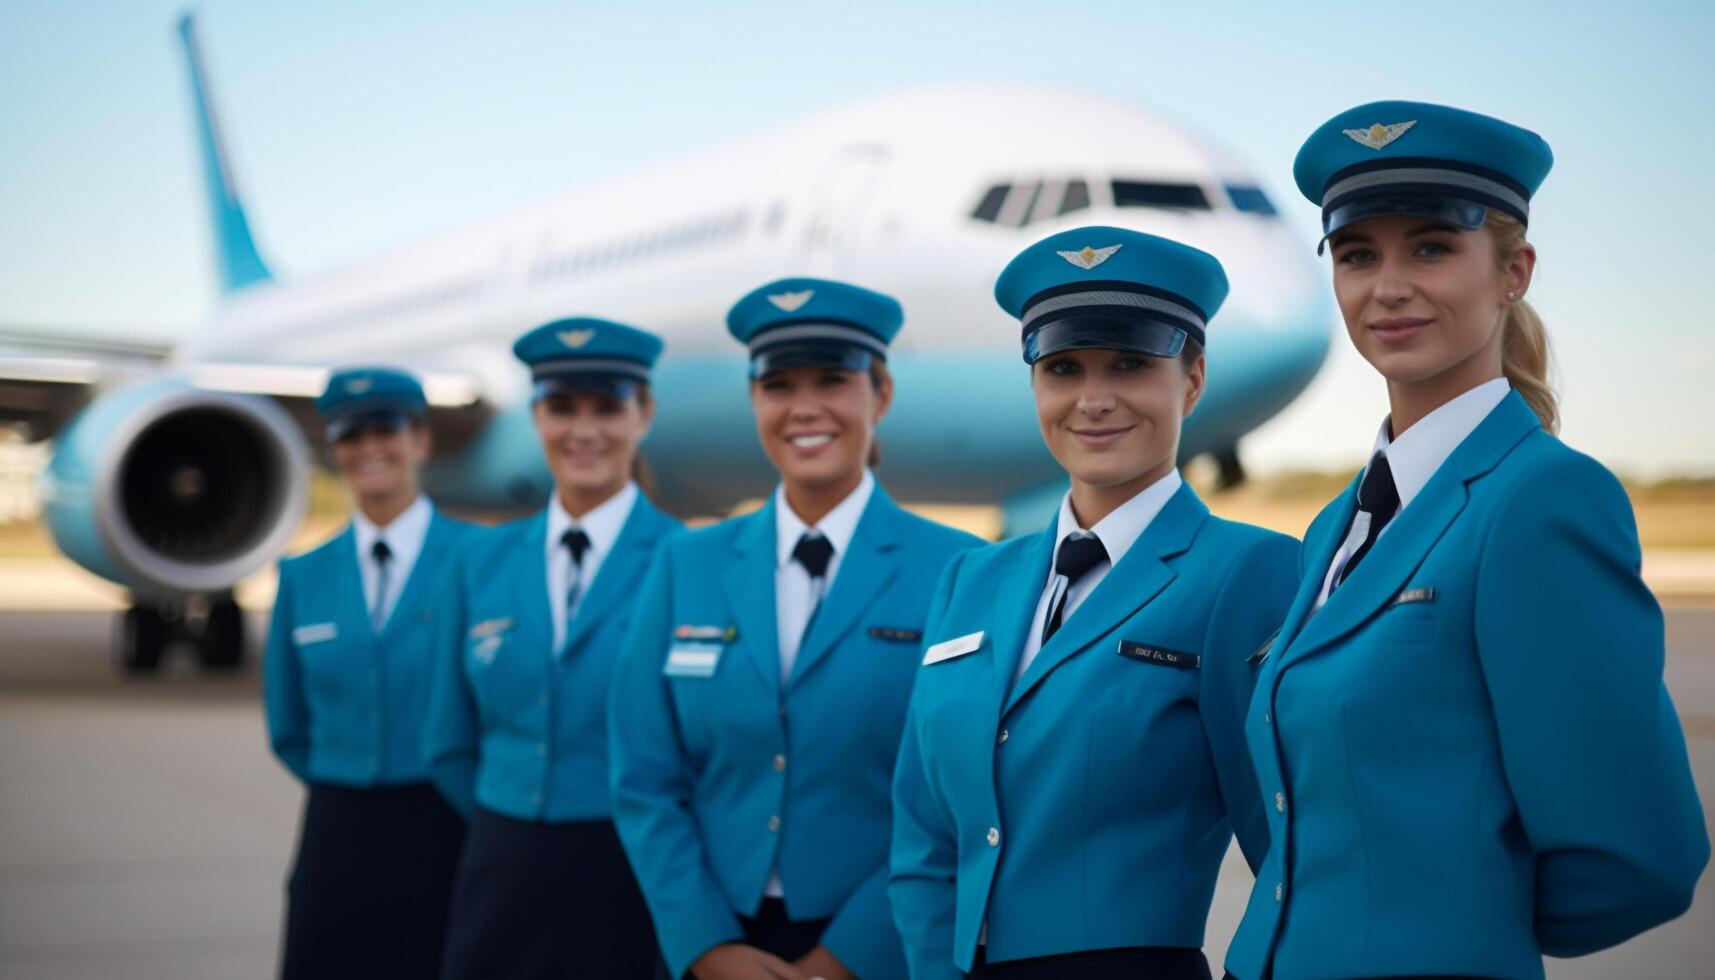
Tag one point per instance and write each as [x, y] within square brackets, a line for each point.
[1380, 135]
[576, 338]
[357, 386]
[791, 302]
[1088, 258]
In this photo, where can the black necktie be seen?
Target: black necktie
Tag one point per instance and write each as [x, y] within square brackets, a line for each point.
[1379, 498]
[578, 543]
[383, 555]
[1080, 552]
[813, 551]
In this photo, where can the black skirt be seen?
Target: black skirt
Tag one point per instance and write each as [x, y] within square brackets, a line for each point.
[1125, 963]
[546, 900]
[772, 932]
[369, 887]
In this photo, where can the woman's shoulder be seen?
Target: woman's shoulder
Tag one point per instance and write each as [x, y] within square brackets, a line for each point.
[317, 559]
[687, 542]
[935, 536]
[1225, 534]
[1541, 458]
[991, 560]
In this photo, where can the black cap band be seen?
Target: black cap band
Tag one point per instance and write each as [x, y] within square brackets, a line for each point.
[1457, 212]
[815, 343]
[620, 386]
[387, 418]
[1114, 315]
[1106, 331]
[838, 357]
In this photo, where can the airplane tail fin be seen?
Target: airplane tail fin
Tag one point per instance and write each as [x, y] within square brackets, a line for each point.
[234, 249]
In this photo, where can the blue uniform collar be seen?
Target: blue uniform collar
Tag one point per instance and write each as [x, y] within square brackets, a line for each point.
[1136, 579]
[1398, 552]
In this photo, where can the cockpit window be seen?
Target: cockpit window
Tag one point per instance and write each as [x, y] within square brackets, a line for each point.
[1019, 207]
[1146, 194]
[992, 199]
[1076, 198]
[1250, 200]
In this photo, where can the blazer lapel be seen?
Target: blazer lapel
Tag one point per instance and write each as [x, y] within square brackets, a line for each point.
[1019, 591]
[1129, 586]
[347, 584]
[535, 620]
[865, 570]
[749, 584]
[618, 573]
[1417, 528]
[436, 540]
[1320, 552]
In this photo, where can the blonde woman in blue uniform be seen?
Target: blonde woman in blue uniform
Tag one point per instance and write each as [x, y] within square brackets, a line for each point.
[345, 683]
[517, 729]
[756, 713]
[1073, 767]
[1463, 730]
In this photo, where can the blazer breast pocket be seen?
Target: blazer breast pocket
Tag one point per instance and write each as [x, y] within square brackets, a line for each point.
[322, 650]
[1408, 622]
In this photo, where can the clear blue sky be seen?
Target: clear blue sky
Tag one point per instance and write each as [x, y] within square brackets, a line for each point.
[359, 126]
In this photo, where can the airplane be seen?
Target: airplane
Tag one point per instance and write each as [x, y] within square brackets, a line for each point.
[177, 471]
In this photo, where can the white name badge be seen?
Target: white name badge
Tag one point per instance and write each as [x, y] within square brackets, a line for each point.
[956, 647]
[692, 659]
[315, 633]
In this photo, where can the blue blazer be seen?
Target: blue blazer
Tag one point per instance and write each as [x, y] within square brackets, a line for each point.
[721, 771]
[1088, 805]
[344, 705]
[1471, 750]
[514, 725]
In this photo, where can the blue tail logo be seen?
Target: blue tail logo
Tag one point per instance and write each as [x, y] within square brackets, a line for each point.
[234, 249]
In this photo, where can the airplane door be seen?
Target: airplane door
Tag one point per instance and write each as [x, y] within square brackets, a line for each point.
[841, 200]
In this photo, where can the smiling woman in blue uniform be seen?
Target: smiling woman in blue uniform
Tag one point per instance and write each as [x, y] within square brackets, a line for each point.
[1462, 726]
[1073, 766]
[756, 713]
[517, 730]
[345, 682]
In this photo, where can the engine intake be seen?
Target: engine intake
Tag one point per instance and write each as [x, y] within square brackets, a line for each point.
[168, 488]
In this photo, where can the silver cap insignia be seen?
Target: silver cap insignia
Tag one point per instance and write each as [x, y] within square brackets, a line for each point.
[1089, 258]
[1378, 136]
[792, 302]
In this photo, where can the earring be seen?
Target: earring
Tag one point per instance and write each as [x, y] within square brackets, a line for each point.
[1511, 297]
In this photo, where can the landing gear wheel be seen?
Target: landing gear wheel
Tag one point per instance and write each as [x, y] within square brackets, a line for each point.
[221, 645]
[1232, 471]
[140, 639]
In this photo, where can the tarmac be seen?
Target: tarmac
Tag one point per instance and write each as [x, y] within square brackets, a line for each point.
[145, 831]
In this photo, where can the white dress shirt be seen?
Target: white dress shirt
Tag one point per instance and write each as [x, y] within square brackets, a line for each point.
[1117, 531]
[1414, 457]
[795, 593]
[602, 525]
[404, 537]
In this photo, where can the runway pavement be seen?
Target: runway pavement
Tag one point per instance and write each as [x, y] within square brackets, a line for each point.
[145, 831]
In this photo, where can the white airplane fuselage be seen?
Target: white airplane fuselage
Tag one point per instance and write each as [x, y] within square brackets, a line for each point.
[924, 195]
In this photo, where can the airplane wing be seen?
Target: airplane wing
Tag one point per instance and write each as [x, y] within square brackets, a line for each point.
[46, 377]
[457, 408]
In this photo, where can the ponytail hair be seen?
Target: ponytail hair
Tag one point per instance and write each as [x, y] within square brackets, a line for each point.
[1524, 340]
[878, 376]
[641, 473]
